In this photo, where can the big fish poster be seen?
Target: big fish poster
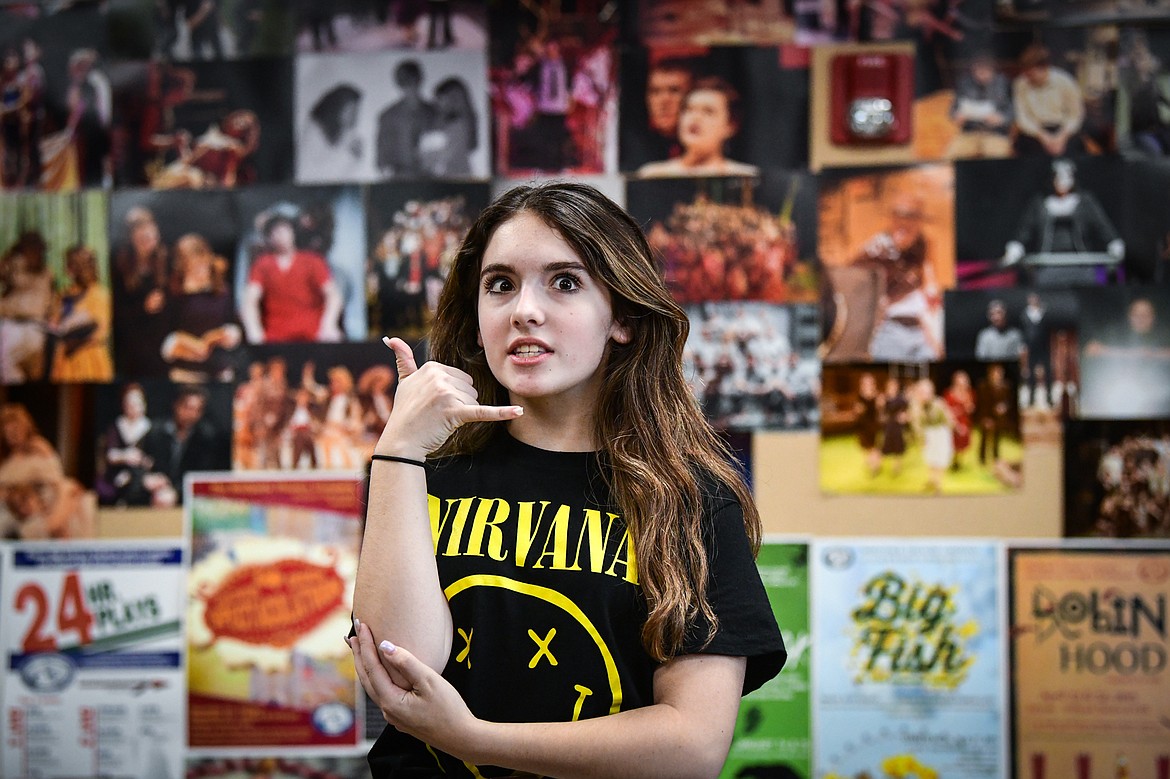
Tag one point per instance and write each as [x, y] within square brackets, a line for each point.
[908, 665]
[268, 601]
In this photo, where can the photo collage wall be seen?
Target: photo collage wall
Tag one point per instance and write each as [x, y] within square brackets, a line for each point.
[932, 234]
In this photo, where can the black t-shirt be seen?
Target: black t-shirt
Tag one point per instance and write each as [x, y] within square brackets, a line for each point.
[541, 578]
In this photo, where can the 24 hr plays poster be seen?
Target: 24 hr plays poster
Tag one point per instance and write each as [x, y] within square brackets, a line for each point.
[1090, 671]
[269, 598]
[908, 671]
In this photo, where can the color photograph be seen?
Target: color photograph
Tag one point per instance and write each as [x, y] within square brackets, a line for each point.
[298, 264]
[202, 125]
[414, 232]
[174, 312]
[886, 243]
[183, 30]
[711, 111]
[1125, 354]
[312, 406]
[55, 310]
[46, 463]
[554, 84]
[364, 25]
[732, 238]
[950, 428]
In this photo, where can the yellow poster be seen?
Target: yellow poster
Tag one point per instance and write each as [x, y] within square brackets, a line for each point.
[1091, 663]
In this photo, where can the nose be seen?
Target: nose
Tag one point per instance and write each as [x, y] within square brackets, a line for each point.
[527, 307]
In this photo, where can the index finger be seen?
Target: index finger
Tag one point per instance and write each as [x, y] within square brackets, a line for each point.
[403, 356]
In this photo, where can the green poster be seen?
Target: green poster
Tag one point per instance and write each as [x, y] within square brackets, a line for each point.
[772, 732]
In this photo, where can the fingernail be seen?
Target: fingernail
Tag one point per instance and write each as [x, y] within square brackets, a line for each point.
[356, 623]
[519, 411]
[387, 647]
[386, 340]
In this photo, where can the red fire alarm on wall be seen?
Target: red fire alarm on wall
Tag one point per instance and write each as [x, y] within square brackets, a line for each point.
[871, 98]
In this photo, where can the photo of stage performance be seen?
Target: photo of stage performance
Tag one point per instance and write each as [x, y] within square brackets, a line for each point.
[944, 428]
[733, 238]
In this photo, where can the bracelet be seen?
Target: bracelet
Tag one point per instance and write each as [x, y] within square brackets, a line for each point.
[395, 459]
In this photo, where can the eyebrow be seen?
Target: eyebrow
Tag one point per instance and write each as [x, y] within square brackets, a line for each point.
[552, 267]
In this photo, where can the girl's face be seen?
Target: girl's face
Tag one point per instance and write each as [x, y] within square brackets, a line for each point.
[144, 237]
[348, 115]
[134, 405]
[705, 123]
[544, 323]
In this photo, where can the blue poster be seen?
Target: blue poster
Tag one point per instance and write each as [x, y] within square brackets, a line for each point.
[908, 663]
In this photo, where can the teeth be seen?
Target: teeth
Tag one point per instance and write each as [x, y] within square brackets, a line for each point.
[528, 351]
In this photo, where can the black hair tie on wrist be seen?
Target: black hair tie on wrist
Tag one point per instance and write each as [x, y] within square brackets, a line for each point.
[395, 459]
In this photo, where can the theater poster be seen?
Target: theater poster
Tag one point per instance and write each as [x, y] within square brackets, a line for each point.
[268, 603]
[93, 678]
[908, 672]
[1089, 670]
[772, 732]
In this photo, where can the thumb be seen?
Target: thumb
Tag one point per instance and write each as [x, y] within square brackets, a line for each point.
[403, 356]
[407, 670]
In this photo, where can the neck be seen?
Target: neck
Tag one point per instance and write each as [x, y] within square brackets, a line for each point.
[699, 158]
[551, 429]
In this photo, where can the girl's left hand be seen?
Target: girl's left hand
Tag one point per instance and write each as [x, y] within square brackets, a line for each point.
[421, 703]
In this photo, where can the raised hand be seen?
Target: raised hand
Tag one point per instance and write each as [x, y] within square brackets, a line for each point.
[430, 403]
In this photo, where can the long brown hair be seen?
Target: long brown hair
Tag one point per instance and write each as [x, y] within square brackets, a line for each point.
[659, 445]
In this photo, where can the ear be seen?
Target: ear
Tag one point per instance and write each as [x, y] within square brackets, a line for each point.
[620, 333]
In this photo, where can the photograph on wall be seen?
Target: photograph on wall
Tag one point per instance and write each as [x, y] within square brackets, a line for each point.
[733, 238]
[1115, 472]
[183, 30]
[933, 429]
[93, 654]
[753, 365]
[711, 111]
[713, 23]
[1074, 12]
[407, 24]
[172, 269]
[1046, 223]
[312, 406]
[202, 125]
[414, 231]
[772, 734]
[284, 766]
[1036, 328]
[1125, 353]
[269, 599]
[908, 679]
[554, 85]
[57, 98]
[1089, 675]
[392, 115]
[1064, 87]
[299, 273]
[46, 462]
[886, 242]
[151, 433]
[55, 310]
[1143, 92]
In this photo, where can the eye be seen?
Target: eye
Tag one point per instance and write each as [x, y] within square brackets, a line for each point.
[567, 282]
[497, 284]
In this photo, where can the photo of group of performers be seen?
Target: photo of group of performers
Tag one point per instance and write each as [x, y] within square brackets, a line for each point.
[925, 428]
[213, 210]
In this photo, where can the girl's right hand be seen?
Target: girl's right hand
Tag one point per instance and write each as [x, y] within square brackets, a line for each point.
[429, 404]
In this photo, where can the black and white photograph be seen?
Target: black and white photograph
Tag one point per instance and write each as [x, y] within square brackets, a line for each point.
[1125, 353]
[392, 115]
[754, 366]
